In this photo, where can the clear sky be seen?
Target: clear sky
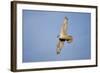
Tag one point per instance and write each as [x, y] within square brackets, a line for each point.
[40, 30]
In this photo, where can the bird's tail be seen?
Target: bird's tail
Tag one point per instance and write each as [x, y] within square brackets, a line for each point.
[70, 39]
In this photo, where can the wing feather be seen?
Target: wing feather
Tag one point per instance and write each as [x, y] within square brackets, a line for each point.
[59, 46]
[64, 26]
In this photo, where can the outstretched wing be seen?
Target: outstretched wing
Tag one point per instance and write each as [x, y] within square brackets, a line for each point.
[59, 46]
[64, 26]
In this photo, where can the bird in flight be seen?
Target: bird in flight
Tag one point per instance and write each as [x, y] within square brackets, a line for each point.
[63, 36]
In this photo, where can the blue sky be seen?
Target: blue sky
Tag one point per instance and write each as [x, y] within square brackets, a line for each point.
[40, 30]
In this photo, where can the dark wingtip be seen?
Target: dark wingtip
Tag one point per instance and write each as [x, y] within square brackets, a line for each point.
[58, 53]
[66, 18]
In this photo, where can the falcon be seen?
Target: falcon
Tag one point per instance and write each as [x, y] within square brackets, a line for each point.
[63, 36]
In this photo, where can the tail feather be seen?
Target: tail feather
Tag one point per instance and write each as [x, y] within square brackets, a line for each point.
[70, 39]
